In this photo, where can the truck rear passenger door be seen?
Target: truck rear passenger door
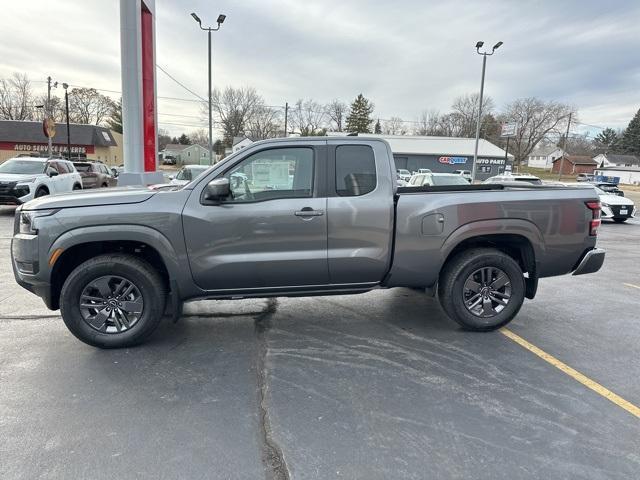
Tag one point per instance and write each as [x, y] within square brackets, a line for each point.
[360, 211]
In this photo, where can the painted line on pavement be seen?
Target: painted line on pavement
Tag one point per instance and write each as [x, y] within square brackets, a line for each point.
[586, 381]
[631, 285]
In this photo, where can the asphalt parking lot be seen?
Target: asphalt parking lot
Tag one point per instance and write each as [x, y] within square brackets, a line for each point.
[374, 386]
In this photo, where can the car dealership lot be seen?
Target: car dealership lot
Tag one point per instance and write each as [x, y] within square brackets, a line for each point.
[373, 386]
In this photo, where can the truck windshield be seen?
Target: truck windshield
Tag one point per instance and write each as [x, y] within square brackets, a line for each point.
[25, 167]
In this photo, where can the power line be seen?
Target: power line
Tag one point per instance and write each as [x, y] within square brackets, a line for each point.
[179, 83]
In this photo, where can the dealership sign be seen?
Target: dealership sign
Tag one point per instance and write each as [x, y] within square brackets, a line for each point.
[43, 147]
[453, 160]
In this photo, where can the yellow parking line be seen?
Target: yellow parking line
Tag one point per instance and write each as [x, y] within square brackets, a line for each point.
[586, 381]
[631, 285]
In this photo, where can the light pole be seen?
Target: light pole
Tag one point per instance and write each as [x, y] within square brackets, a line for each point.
[219, 21]
[484, 66]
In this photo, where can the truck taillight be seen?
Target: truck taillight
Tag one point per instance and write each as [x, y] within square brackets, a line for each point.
[595, 221]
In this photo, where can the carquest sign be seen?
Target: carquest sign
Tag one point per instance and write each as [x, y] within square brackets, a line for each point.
[453, 160]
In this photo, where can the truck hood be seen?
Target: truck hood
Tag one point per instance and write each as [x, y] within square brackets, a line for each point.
[19, 177]
[91, 198]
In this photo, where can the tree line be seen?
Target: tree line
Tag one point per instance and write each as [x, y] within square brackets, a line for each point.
[244, 112]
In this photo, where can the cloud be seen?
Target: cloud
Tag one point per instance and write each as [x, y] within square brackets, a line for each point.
[406, 56]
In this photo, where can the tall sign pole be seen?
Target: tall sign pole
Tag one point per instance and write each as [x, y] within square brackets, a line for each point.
[475, 150]
[564, 148]
[139, 100]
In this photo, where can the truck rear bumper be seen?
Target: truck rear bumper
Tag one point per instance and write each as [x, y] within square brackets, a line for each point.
[591, 262]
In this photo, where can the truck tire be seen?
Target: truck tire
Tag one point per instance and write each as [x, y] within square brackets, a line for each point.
[41, 192]
[481, 289]
[619, 220]
[113, 301]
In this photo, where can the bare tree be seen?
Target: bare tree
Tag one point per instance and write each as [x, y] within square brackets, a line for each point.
[427, 123]
[57, 108]
[394, 126]
[337, 111]
[465, 109]
[234, 108]
[535, 119]
[309, 118]
[16, 98]
[200, 137]
[264, 123]
[88, 106]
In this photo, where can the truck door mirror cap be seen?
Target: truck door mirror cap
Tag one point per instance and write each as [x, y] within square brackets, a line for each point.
[218, 189]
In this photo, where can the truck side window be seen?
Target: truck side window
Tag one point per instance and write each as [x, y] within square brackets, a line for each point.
[355, 170]
[272, 174]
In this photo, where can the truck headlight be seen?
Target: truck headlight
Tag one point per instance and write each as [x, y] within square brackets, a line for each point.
[29, 220]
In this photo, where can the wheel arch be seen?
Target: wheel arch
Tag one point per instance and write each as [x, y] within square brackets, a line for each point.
[84, 243]
[519, 239]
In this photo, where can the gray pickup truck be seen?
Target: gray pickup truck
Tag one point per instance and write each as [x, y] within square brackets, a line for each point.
[297, 217]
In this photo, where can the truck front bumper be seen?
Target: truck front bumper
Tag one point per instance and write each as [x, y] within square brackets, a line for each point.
[590, 262]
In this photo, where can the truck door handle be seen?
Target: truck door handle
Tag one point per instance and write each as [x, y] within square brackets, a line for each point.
[309, 212]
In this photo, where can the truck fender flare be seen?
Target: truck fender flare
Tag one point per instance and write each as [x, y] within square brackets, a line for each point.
[512, 226]
[121, 232]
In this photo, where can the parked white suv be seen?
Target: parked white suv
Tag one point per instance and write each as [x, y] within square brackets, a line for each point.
[25, 178]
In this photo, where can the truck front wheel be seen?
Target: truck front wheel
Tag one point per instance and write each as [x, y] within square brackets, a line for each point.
[481, 289]
[113, 301]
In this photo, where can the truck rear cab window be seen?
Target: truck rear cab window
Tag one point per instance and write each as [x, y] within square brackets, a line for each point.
[355, 170]
[273, 174]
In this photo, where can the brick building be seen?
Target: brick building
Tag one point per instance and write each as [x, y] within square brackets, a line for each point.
[574, 164]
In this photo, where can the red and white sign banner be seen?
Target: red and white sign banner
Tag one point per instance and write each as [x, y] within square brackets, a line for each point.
[43, 147]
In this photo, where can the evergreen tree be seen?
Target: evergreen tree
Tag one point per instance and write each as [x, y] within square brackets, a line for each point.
[631, 137]
[114, 122]
[378, 127]
[184, 139]
[359, 119]
[607, 138]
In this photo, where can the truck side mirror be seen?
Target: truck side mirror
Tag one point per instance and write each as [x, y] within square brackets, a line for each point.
[52, 172]
[218, 189]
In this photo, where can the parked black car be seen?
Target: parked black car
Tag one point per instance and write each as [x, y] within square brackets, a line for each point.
[609, 188]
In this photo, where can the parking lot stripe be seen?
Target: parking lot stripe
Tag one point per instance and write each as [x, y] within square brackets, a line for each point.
[631, 285]
[586, 381]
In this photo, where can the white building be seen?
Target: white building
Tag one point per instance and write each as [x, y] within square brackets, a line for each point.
[186, 154]
[615, 160]
[543, 156]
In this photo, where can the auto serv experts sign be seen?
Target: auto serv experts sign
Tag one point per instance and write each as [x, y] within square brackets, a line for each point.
[453, 160]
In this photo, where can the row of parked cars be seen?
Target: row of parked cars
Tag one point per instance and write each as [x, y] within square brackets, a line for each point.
[615, 206]
[25, 178]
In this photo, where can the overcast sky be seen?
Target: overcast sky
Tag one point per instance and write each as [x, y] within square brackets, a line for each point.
[405, 55]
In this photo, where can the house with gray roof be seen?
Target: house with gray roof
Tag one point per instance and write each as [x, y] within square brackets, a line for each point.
[606, 160]
[543, 156]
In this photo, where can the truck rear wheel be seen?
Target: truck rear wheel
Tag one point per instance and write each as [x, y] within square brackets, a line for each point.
[113, 301]
[481, 289]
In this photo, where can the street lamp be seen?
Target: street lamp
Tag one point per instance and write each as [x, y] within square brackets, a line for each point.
[219, 21]
[66, 106]
[484, 65]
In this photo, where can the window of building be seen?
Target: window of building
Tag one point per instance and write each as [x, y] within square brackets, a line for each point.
[355, 170]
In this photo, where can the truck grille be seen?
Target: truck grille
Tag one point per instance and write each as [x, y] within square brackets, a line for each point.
[6, 188]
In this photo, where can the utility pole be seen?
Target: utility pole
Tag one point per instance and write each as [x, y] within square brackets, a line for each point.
[66, 106]
[286, 117]
[484, 66]
[564, 148]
